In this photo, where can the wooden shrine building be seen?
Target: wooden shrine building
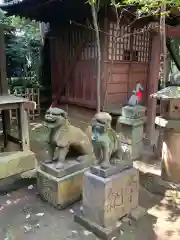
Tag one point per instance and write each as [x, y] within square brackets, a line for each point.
[130, 50]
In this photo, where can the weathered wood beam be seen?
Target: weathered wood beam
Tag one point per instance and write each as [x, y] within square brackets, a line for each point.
[4, 86]
[14, 139]
[3, 75]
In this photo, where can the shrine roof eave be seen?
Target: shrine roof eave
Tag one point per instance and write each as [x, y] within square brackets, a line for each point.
[58, 10]
[47, 10]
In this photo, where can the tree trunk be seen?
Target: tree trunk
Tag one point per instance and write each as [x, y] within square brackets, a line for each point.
[163, 43]
[98, 79]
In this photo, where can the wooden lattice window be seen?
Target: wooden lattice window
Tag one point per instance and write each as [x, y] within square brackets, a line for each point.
[126, 44]
[74, 38]
[119, 42]
[90, 48]
[141, 44]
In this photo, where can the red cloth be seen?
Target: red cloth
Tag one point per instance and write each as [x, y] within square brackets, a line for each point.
[139, 95]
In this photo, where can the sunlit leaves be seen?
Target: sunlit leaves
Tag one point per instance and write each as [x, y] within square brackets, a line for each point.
[22, 44]
[144, 7]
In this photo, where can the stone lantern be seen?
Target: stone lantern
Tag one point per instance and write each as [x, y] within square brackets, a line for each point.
[131, 124]
[169, 122]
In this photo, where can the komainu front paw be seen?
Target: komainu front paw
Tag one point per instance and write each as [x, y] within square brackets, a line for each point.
[105, 164]
[48, 161]
[51, 161]
[60, 164]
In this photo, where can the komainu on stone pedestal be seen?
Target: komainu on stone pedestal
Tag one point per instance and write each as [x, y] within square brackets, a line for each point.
[65, 138]
[59, 179]
[111, 188]
[106, 143]
[107, 200]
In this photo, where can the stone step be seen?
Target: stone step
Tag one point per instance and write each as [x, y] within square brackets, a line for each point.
[150, 179]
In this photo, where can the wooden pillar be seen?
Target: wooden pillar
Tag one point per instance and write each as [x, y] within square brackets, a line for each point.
[154, 68]
[3, 75]
[4, 86]
[24, 127]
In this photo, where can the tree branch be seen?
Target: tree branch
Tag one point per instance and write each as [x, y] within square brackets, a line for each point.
[98, 79]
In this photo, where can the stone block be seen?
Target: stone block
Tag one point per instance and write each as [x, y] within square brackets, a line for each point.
[99, 231]
[170, 166]
[133, 112]
[60, 192]
[14, 163]
[135, 150]
[114, 169]
[137, 213]
[130, 121]
[131, 134]
[106, 200]
[69, 167]
[172, 110]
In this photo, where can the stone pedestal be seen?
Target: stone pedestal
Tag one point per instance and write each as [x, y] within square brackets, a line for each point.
[169, 122]
[170, 156]
[170, 150]
[114, 169]
[14, 163]
[131, 128]
[64, 186]
[107, 200]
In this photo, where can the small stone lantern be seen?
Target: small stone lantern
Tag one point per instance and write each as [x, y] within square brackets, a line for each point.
[131, 124]
[169, 121]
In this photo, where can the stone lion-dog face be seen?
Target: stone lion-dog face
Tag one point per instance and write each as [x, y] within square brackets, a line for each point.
[55, 117]
[63, 137]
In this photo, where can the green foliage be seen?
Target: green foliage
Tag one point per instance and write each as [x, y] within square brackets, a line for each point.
[152, 7]
[22, 46]
[144, 7]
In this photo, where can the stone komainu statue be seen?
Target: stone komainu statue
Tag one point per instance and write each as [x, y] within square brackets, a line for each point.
[105, 141]
[63, 137]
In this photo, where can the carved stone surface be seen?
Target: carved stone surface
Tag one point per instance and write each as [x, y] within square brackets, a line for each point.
[69, 167]
[113, 169]
[60, 192]
[105, 200]
[63, 137]
[133, 112]
[132, 132]
[170, 166]
[99, 231]
[135, 149]
[130, 121]
[168, 123]
[13, 163]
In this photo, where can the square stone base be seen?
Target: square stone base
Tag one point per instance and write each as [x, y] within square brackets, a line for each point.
[15, 163]
[100, 232]
[106, 200]
[133, 112]
[68, 167]
[60, 192]
[112, 170]
[111, 232]
[131, 134]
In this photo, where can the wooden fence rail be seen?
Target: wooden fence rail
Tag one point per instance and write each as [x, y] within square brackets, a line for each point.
[33, 94]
